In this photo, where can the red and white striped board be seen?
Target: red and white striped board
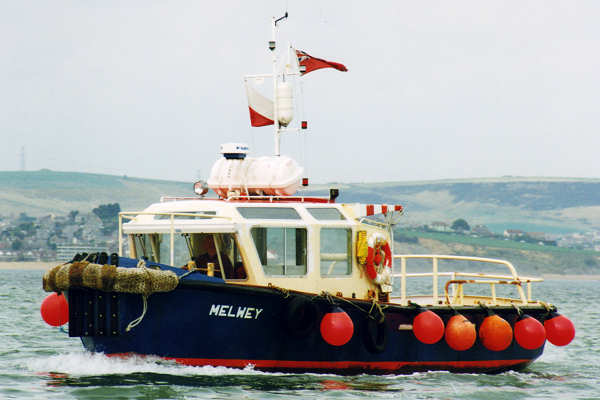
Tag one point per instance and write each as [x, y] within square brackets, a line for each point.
[365, 210]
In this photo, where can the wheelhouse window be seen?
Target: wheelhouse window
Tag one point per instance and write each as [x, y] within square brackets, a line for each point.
[155, 247]
[282, 251]
[220, 249]
[268, 213]
[326, 214]
[336, 252]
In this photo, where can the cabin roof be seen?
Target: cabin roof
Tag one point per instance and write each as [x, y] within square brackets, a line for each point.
[218, 215]
[223, 216]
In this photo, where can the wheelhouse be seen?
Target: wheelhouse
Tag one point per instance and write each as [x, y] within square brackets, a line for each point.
[306, 246]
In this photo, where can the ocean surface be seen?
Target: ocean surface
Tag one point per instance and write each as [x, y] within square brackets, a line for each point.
[41, 362]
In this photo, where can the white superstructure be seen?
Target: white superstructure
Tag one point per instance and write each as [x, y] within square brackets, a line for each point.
[305, 245]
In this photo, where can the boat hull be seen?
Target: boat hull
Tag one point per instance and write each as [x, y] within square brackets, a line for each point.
[213, 323]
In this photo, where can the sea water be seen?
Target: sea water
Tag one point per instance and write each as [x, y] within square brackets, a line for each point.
[41, 362]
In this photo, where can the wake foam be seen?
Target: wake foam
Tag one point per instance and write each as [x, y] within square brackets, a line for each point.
[93, 364]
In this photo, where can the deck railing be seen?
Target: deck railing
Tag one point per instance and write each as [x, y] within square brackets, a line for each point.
[456, 279]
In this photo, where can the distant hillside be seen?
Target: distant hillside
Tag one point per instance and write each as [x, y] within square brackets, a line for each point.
[553, 205]
[43, 192]
[529, 204]
[528, 258]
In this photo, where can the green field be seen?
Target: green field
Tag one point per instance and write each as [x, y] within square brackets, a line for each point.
[44, 192]
[491, 242]
[529, 257]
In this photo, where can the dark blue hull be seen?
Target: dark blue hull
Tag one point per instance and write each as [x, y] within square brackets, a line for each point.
[208, 322]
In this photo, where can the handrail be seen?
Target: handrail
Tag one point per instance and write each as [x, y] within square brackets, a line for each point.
[464, 258]
[166, 199]
[460, 296]
[362, 220]
[491, 279]
[126, 214]
[272, 198]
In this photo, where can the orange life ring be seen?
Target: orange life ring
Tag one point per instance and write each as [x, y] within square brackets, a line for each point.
[377, 244]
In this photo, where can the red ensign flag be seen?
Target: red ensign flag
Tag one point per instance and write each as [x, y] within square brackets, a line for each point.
[313, 63]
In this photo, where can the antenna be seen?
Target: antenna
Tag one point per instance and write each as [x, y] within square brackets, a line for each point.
[282, 18]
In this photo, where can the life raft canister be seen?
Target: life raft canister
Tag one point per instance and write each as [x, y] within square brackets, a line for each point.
[378, 262]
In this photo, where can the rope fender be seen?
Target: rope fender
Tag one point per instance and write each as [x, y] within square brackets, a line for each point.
[109, 278]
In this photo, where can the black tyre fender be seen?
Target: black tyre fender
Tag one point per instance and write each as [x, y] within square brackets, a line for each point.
[102, 258]
[300, 316]
[374, 335]
[114, 259]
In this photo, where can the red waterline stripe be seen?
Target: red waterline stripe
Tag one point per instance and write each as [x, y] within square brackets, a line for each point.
[376, 365]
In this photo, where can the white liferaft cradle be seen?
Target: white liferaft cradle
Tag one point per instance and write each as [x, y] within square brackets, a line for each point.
[268, 175]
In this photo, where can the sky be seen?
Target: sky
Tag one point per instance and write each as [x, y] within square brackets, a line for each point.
[435, 89]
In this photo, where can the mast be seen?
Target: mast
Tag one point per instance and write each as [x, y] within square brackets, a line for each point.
[272, 46]
[275, 116]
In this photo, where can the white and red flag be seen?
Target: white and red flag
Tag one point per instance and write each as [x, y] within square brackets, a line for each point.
[261, 108]
[313, 63]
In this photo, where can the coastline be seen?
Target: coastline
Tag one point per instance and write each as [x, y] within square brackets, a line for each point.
[28, 265]
[46, 265]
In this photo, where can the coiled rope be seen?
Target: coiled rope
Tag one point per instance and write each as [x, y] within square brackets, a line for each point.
[138, 320]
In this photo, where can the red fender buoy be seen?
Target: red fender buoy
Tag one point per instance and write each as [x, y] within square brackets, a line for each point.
[337, 327]
[529, 332]
[55, 309]
[460, 333]
[560, 331]
[495, 333]
[428, 327]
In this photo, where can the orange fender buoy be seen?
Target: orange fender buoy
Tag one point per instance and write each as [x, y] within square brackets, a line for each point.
[460, 333]
[495, 333]
[337, 327]
[55, 309]
[560, 331]
[529, 332]
[428, 327]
